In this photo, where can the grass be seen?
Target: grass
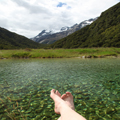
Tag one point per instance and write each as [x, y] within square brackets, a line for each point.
[60, 53]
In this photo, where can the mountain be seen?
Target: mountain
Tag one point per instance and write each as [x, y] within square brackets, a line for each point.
[48, 37]
[104, 32]
[10, 40]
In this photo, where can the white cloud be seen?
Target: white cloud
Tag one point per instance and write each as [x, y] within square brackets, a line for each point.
[29, 17]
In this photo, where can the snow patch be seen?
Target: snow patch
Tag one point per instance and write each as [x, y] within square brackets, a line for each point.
[64, 28]
[37, 36]
[42, 41]
[89, 22]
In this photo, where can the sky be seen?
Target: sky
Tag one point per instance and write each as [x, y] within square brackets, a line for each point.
[30, 17]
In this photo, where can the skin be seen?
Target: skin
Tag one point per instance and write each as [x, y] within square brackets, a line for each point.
[64, 106]
[68, 98]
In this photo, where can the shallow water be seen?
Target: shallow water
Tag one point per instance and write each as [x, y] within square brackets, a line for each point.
[25, 86]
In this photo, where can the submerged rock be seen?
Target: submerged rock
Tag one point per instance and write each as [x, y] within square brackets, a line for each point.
[116, 116]
[109, 110]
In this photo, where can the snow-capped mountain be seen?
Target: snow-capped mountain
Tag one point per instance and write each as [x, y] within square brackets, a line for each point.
[49, 37]
[42, 35]
[64, 29]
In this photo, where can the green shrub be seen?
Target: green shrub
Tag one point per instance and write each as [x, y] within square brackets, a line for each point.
[21, 55]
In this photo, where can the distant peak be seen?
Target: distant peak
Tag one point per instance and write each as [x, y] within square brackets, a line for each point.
[46, 35]
[64, 28]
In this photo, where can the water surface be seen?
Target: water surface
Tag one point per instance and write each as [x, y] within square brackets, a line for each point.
[25, 86]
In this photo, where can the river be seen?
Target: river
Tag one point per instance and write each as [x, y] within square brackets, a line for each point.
[25, 86]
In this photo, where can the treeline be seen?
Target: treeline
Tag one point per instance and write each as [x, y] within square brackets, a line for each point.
[9, 40]
[104, 32]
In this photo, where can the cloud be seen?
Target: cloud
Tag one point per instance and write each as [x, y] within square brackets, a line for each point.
[30, 17]
[34, 9]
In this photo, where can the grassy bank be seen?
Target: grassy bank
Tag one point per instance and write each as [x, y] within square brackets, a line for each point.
[60, 53]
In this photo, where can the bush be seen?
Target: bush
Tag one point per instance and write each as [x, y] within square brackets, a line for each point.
[28, 49]
[21, 55]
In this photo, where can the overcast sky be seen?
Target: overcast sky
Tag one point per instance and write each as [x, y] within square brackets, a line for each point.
[30, 17]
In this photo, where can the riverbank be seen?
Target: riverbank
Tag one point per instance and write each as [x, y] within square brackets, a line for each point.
[60, 53]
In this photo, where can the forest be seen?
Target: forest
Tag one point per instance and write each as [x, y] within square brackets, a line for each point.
[104, 32]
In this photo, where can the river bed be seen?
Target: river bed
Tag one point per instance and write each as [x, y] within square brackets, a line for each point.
[25, 86]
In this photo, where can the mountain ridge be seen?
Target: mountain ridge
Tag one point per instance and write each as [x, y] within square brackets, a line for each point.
[49, 37]
[104, 32]
[10, 40]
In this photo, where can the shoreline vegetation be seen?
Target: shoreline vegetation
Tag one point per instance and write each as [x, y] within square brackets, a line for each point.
[60, 53]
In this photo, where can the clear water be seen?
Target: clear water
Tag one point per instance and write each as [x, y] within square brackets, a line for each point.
[25, 86]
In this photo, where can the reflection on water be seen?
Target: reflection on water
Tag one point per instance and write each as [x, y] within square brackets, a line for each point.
[25, 87]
